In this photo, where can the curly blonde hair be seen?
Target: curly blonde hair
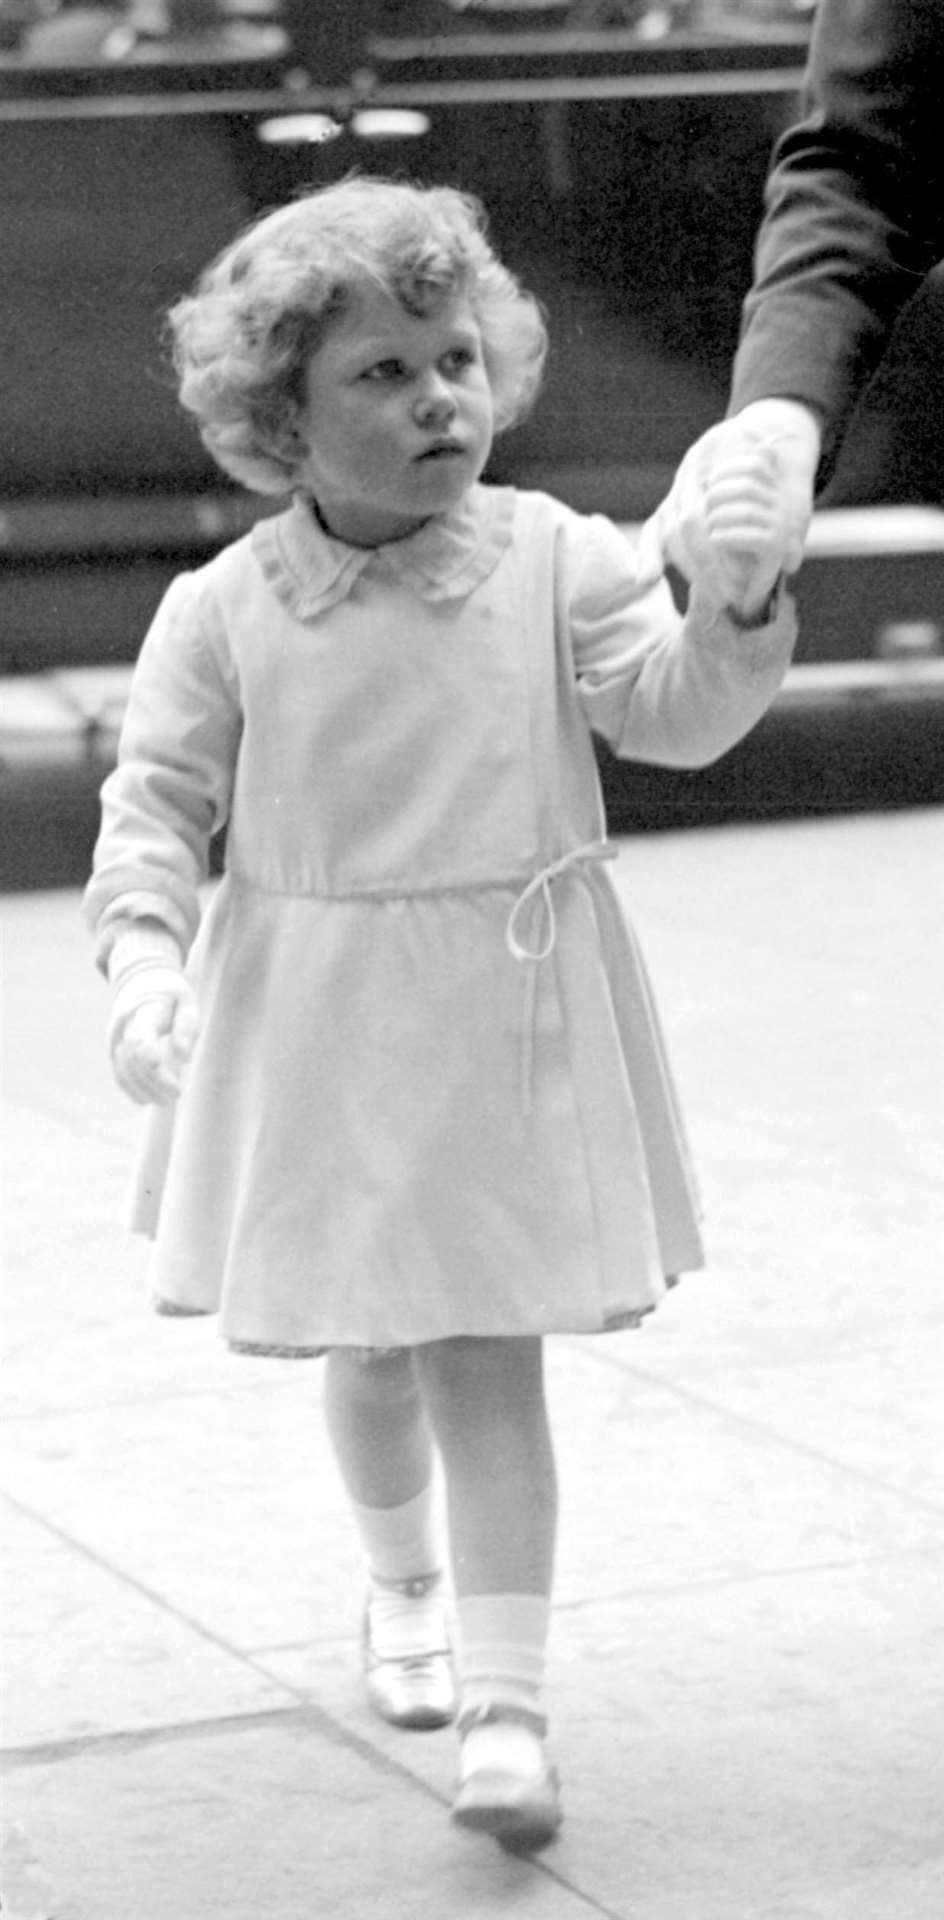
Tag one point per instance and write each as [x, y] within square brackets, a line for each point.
[241, 343]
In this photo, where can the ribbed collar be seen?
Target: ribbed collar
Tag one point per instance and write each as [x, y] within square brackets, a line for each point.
[310, 570]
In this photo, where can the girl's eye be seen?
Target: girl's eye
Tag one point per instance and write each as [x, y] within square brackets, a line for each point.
[459, 358]
[385, 370]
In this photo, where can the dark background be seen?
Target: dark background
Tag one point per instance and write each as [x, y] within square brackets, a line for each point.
[623, 182]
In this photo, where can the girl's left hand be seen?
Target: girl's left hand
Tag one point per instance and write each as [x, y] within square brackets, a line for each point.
[738, 511]
[746, 526]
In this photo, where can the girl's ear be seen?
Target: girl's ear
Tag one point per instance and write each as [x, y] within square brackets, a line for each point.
[260, 473]
[288, 442]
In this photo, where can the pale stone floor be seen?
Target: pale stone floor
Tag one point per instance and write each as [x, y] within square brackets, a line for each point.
[748, 1644]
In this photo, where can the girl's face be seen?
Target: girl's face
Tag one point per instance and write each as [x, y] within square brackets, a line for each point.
[397, 421]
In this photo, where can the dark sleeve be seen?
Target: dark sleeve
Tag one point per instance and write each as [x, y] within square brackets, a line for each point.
[854, 208]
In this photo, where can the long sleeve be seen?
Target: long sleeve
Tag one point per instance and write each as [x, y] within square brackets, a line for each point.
[661, 687]
[171, 789]
[854, 214]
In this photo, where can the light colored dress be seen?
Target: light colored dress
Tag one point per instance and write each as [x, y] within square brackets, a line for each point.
[430, 1095]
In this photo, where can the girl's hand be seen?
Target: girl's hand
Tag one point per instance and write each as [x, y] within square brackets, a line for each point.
[739, 508]
[152, 1033]
[745, 524]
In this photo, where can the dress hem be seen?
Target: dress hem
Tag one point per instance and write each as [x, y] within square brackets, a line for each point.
[628, 1320]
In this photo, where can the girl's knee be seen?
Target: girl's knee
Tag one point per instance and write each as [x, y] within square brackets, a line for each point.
[481, 1380]
[375, 1372]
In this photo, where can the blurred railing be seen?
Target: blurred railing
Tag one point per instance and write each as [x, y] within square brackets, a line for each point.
[197, 56]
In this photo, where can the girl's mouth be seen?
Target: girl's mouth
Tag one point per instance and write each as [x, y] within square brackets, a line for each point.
[443, 450]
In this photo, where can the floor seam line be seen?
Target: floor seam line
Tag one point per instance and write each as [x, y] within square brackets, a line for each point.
[135, 1584]
[804, 1569]
[800, 1447]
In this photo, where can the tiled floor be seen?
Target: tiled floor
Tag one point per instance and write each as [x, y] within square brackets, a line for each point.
[747, 1682]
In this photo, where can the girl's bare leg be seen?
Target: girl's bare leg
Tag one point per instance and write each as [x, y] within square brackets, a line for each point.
[378, 1425]
[382, 1442]
[486, 1404]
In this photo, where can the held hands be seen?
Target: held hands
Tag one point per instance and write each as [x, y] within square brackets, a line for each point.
[739, 508]
[153, 1026]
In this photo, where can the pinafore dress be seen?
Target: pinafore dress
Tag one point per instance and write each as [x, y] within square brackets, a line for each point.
[430, 1095]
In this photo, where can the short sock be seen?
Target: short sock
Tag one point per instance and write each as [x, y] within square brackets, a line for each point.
[502, 1651]
[401, 1543]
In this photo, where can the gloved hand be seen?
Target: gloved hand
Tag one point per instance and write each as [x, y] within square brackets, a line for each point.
[154, 1017]
[738, 511]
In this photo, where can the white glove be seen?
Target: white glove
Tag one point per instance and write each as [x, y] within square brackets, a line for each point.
[154, 1018]
[738, 512]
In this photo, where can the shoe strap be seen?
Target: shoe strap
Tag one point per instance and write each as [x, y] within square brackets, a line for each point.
[405, 1620]
[415, 1588]
[492, 1713]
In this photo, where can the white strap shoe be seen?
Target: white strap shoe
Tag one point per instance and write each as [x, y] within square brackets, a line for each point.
[407, 1656]
[507, 1787]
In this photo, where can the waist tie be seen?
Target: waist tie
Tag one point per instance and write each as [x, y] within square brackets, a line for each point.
[539, 888]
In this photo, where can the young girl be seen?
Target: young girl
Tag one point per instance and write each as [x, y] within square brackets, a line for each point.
[427, 1116]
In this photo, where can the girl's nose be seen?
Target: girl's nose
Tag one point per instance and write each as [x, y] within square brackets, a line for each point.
[435, 401]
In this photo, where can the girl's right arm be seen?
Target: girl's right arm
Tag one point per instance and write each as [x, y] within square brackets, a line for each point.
[168, 795]
[171, 789]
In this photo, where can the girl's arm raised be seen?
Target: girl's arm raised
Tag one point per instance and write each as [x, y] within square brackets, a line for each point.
[660, 686]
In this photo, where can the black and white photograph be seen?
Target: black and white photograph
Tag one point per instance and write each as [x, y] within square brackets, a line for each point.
[472, 901]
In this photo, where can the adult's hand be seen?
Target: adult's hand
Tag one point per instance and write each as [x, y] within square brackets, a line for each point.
[704, 529]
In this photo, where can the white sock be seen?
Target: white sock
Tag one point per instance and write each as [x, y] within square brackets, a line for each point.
[406, 1625]
[503, 1642]
[401, 1543]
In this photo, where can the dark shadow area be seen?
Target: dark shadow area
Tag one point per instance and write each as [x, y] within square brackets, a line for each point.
[633, 220]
